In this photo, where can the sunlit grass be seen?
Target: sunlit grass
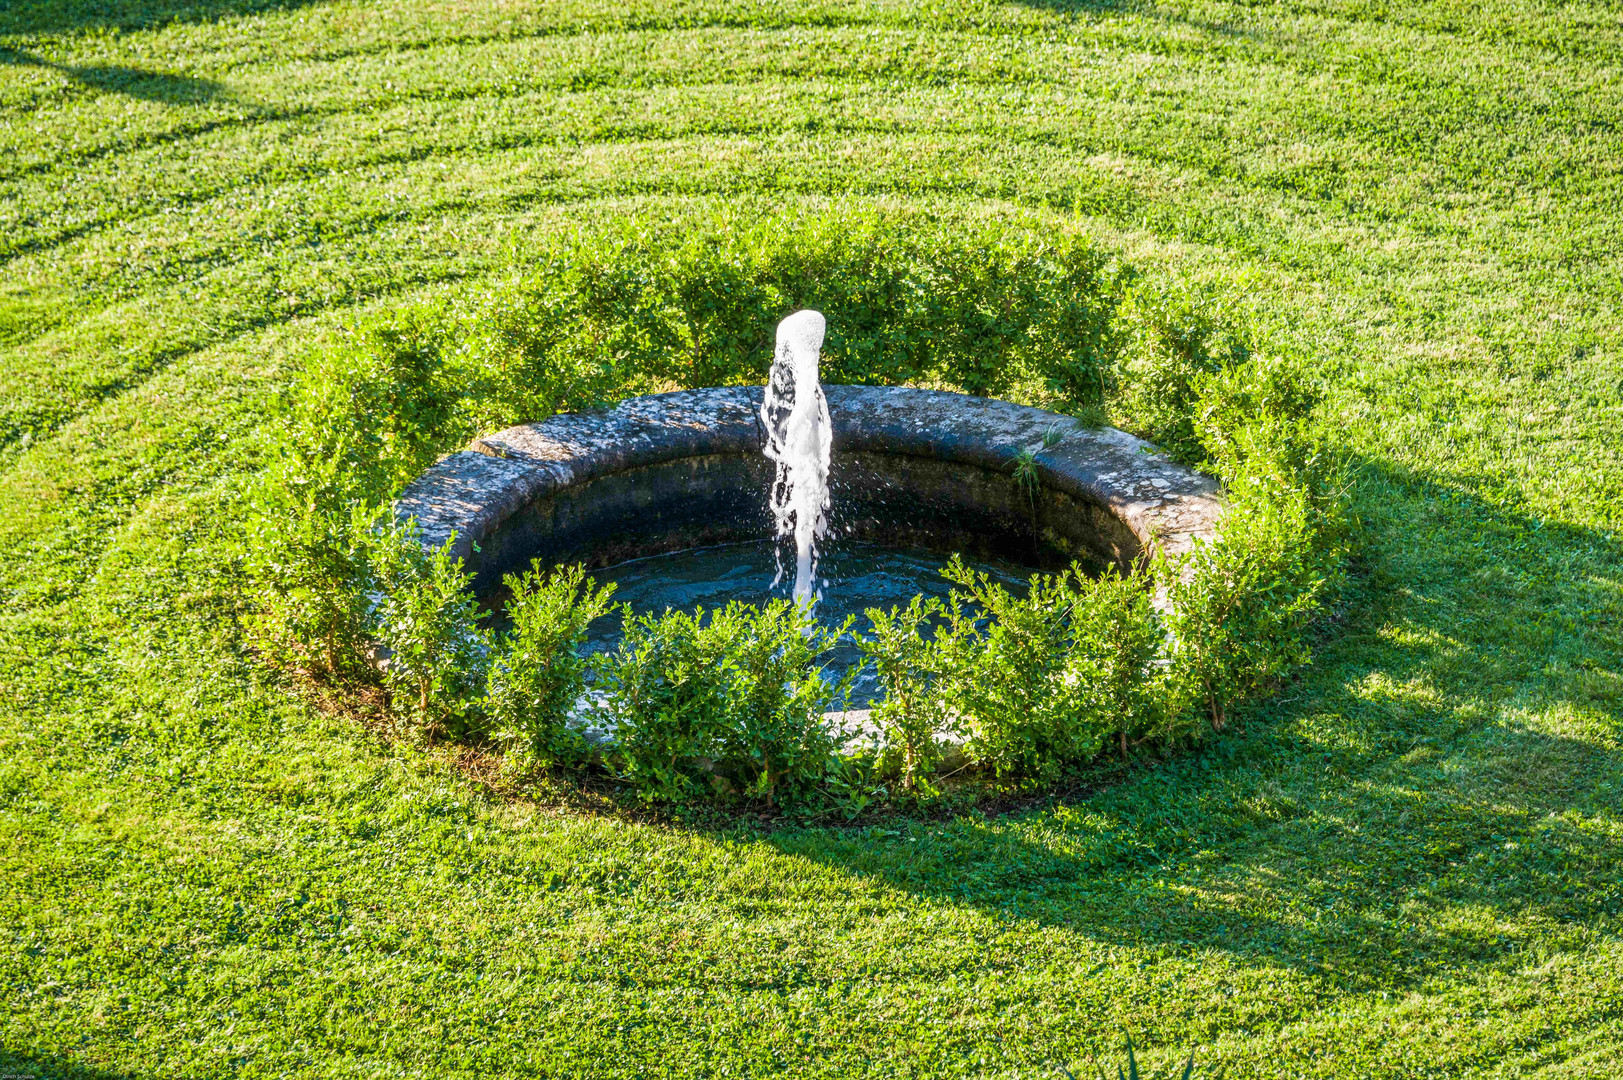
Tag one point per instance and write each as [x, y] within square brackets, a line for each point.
[1408, 863]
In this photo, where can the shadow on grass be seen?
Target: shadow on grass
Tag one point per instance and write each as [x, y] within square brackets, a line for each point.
[1431, 796]
[1089, 7]
[1094, 9]
[129, 81]
[67, 16]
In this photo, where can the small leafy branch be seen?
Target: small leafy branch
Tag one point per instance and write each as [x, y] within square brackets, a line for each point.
[913, 713]
[538, 676]
[426, 619]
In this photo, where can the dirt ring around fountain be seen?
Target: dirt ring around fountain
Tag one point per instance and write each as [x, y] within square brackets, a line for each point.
[916, 468]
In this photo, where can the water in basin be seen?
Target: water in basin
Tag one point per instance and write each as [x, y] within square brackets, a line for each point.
[853, 578]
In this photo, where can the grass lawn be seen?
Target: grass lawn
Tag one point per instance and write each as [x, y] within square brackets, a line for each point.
[1408, 863]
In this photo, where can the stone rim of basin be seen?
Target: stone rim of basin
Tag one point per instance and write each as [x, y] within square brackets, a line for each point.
[471, 493]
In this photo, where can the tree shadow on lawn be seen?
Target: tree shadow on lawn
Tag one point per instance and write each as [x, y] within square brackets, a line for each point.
[1094, 9]
[129, 81]
[1431, 796]
[68, 16]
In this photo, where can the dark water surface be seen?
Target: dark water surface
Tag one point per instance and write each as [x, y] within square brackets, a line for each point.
[853, 578]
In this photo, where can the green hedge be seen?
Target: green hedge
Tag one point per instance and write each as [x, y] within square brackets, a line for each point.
[610, 313]
[729, 706]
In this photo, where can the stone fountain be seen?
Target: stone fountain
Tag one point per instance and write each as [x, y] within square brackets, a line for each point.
[892, 466]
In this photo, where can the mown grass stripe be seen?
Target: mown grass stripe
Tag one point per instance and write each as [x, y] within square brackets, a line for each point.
[1083, 130]
[697, 59]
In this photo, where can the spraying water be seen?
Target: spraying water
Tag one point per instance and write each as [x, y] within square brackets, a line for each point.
[799, 438]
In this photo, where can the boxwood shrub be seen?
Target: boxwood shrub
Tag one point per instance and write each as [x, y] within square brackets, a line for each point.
[730, 705]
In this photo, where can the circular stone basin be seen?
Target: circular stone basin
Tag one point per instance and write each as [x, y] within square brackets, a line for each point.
[924, 470]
